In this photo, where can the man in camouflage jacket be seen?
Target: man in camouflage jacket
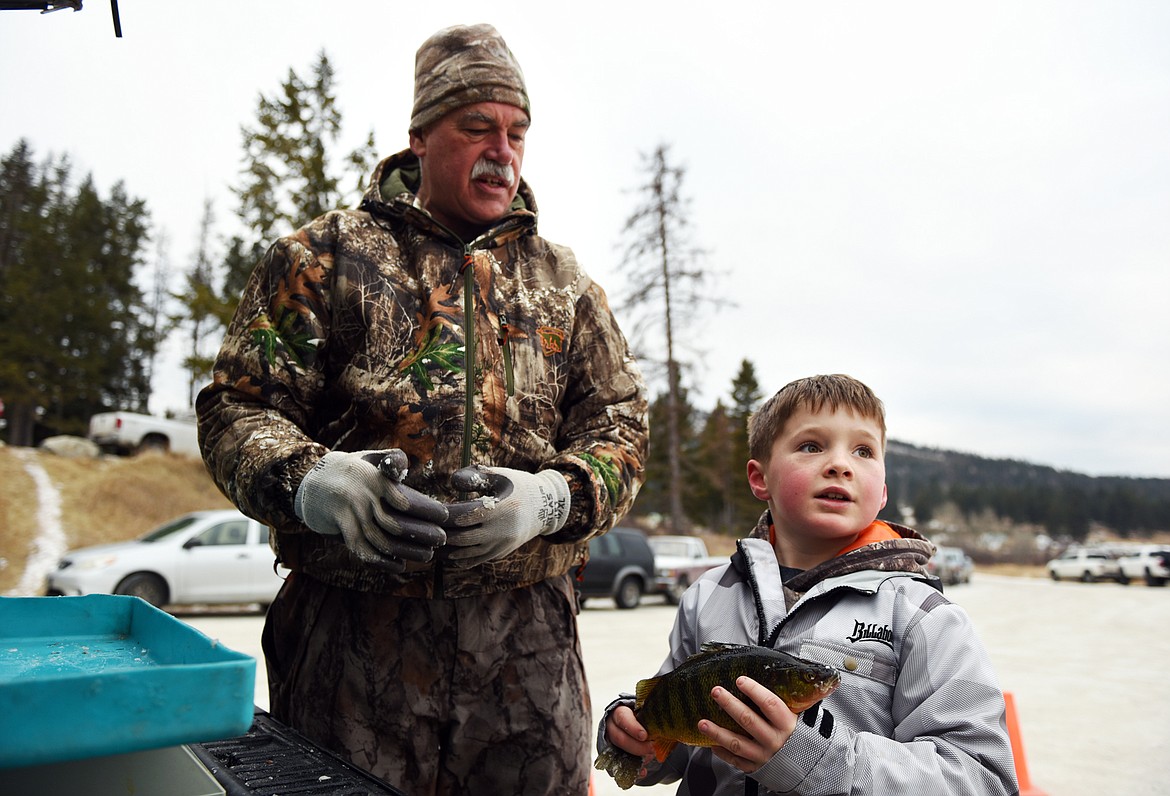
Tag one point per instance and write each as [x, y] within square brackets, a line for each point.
[428, 628]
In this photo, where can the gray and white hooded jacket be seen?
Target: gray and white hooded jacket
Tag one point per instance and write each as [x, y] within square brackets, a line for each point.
[919, 709]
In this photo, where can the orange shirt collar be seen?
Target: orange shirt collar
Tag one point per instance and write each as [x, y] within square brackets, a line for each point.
[877, 531]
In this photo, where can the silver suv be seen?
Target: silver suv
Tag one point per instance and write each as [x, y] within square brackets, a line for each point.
[1085, 564]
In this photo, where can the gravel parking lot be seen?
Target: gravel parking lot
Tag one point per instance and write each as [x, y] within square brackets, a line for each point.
[1089, 665]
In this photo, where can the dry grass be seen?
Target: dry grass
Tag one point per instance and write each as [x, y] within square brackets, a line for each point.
[718, 544]
[17, 518]
[113, 499]
[108, 499]
[1015, 570]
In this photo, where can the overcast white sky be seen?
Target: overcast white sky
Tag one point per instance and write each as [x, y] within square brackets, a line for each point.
[966, 205]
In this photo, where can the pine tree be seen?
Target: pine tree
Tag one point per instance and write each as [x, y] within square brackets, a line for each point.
[157, 299]
[291, 175]
[203, 306]
[71, 316]
[24, 205]
[667, 284]
[744, 508]
[654, 497]
[711, 499]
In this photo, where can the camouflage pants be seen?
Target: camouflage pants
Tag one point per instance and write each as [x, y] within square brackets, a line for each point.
[480, 695]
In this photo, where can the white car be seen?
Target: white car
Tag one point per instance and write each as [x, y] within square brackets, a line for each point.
[951, 565]
[207, 557]
[678, 562]
[1084, 564]
[1149, 562]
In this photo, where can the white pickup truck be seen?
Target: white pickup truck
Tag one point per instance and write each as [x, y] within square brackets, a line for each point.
[1149, 562]
[678, 562]
[129, 432]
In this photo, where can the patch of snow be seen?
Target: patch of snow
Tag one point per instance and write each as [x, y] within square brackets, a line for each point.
[50, 543]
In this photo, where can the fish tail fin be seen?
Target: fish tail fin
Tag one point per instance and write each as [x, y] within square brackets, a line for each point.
[621, 765]
[663, 748]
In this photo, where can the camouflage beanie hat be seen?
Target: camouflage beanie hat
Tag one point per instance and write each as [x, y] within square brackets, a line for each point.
[463, 65]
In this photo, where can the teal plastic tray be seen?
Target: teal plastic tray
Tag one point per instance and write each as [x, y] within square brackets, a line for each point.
[104, 674]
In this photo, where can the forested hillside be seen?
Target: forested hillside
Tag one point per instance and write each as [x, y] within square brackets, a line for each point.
[986, 502]
[1060, 503]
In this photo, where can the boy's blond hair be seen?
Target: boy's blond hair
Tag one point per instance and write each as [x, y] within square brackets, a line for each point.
[813, 393]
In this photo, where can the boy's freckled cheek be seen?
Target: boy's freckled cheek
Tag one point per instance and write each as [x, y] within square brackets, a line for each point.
[791, 494]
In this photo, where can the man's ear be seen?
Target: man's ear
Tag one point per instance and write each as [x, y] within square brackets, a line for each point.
[418, 144]
[755, 474]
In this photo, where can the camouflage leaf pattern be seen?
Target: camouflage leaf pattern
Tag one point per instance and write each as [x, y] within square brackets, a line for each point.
[350, 336]
[447, 356]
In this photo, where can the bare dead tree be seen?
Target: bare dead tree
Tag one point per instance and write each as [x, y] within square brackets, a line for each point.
[667, 281]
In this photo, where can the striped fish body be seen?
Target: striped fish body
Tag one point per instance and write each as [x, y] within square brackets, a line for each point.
[670, 706]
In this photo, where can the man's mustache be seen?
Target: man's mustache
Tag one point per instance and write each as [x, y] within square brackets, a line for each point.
[489, 168]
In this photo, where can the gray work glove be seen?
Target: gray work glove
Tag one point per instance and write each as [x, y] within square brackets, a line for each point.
[361, 496]
[516, 506]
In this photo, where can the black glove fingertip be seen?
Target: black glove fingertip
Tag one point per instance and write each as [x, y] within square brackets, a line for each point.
[394, 464]
[465, 513]
[471, 479]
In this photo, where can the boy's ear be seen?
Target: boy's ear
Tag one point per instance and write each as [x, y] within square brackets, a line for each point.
[759, 487]
[885, 497]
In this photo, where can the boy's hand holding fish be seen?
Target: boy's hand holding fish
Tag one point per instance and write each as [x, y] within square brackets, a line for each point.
[766, 728]
[626, 733]
[709, 700]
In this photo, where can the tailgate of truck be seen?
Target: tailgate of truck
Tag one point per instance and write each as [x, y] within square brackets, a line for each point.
[273, 758]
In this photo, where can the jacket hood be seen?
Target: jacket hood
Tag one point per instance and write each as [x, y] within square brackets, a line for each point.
[908, 553]
[393, 193]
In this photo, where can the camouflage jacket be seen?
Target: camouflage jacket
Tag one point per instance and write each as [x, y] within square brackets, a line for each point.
[351, 335]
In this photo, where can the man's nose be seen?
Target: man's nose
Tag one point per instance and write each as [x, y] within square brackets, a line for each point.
[500, 147]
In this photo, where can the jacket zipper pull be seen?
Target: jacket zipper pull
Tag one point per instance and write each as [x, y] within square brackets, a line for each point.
[506, 345]
[468, 260]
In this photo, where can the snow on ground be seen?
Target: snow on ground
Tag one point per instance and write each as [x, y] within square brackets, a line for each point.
[50, 545]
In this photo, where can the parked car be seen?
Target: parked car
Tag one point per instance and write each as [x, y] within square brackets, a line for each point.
[951, 565]
[1149, 562]
[207, 557]
[128, 433]
[621, 566]
[678, 562]
[1085, 564]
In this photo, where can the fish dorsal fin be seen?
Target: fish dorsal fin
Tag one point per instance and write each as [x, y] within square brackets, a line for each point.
[643, 689]
[710, 647]
[662, 748]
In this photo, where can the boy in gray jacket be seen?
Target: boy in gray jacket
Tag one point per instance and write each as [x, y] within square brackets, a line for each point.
[919, 709]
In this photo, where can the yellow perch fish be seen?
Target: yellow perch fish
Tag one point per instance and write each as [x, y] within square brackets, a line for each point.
[670, 706]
